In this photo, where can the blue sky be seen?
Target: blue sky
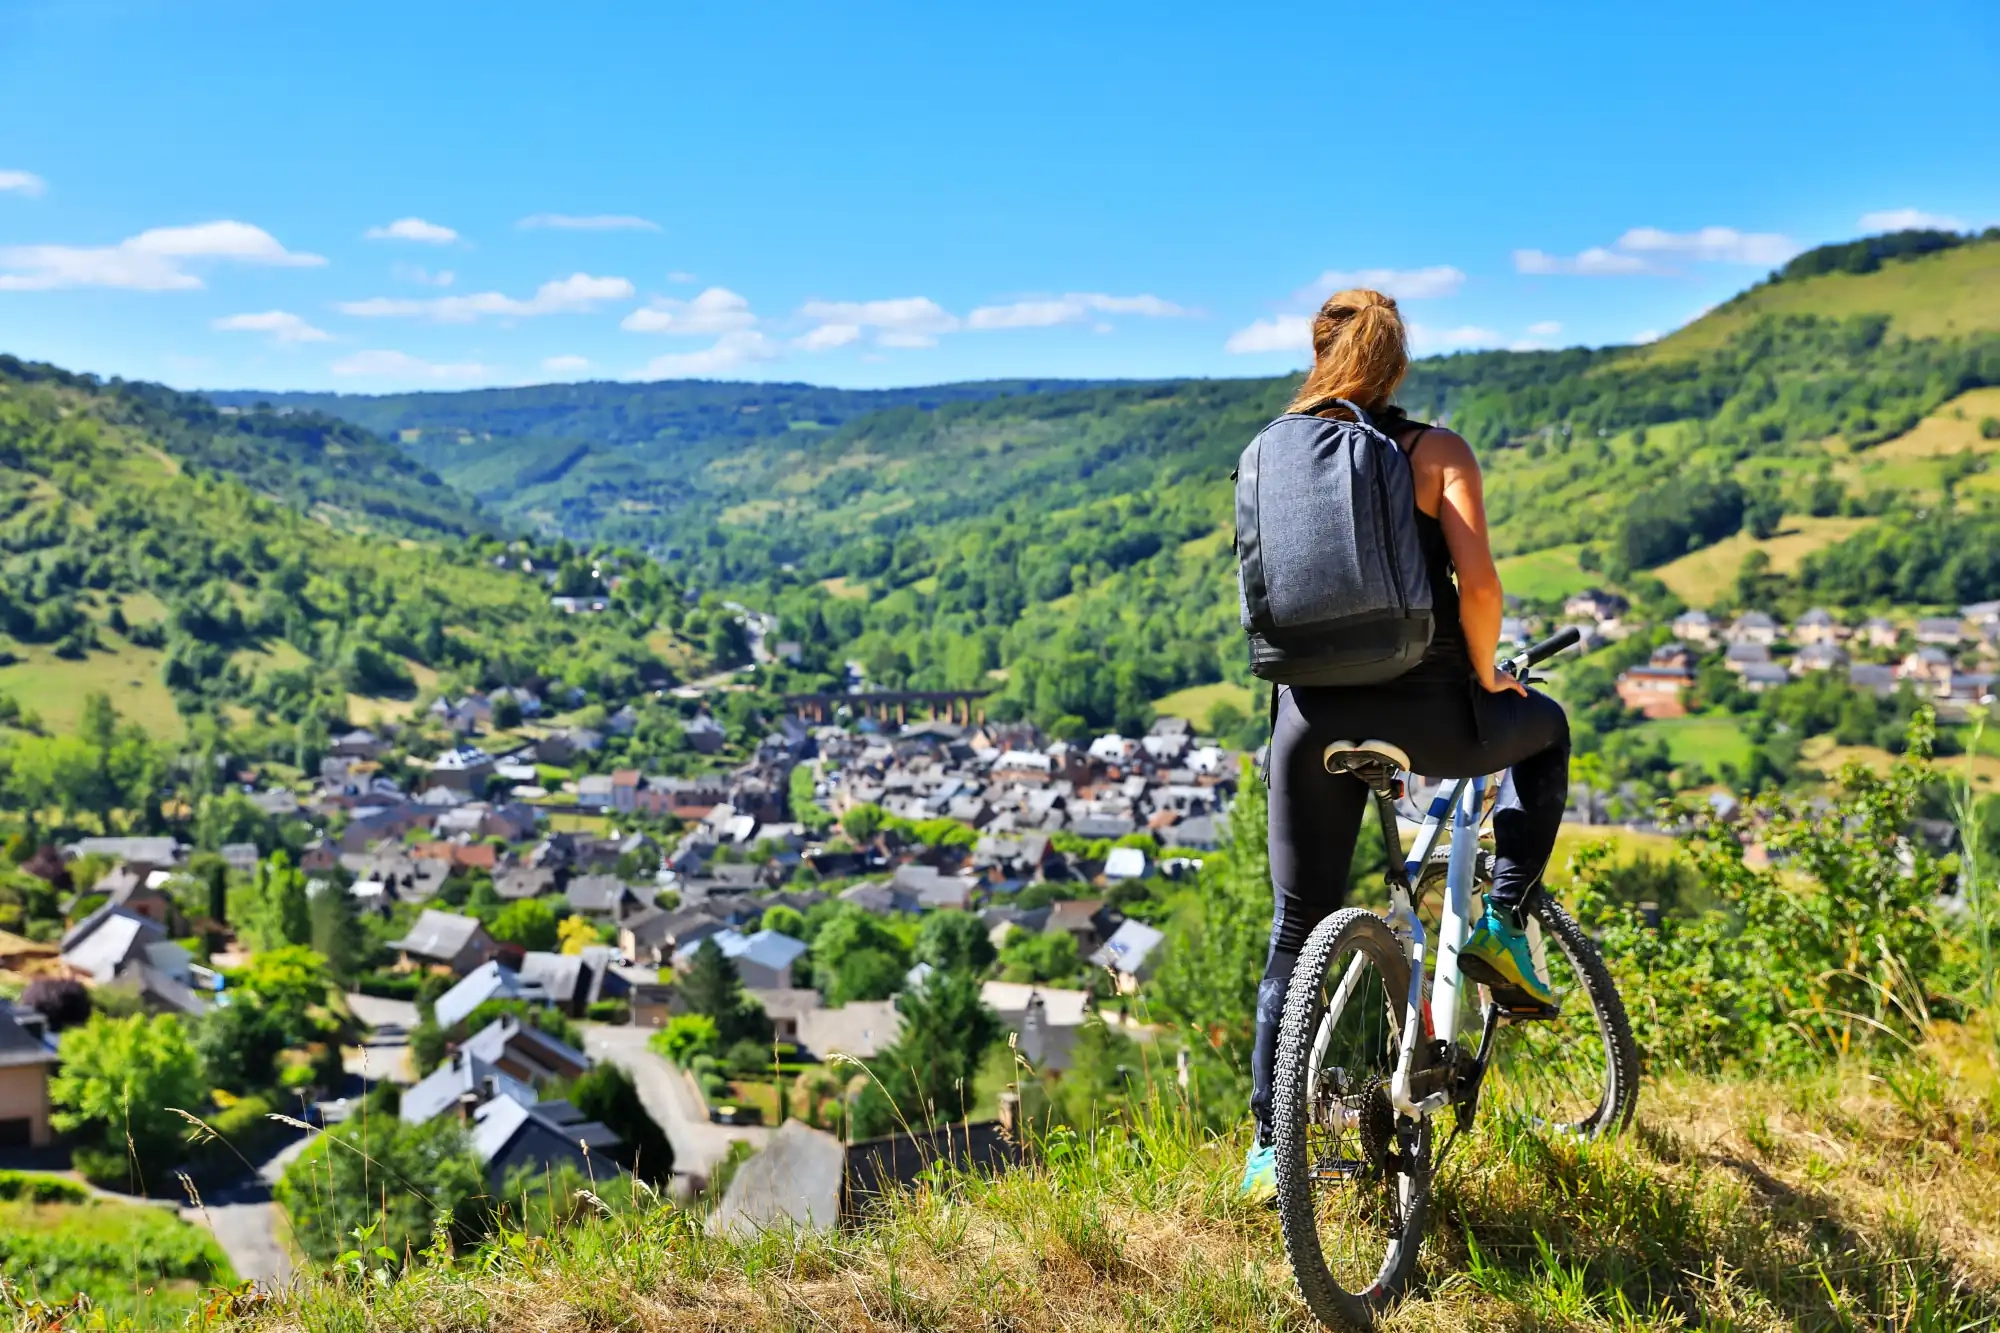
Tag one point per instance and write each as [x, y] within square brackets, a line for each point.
[371, 196]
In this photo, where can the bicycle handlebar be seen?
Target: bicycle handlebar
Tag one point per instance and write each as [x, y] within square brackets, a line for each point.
[1547, 648]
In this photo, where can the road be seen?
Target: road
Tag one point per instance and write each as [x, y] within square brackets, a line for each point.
[385, 1052]
[698, 1145]
[252, 1230]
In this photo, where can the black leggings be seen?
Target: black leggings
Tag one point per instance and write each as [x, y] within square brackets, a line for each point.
[1449, 731]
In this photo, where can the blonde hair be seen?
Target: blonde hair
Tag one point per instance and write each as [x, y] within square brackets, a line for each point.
[1360, 353]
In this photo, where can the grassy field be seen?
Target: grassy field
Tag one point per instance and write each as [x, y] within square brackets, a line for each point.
[841, 587]
[1825, 1202]
[46, 684]
[1707, 741]
[140, 1264]
[1194, 702]
[1545, 576]
[1627, 845]
[1937, 296]
[1952, 429]
[1829, 758]
[1702, 576]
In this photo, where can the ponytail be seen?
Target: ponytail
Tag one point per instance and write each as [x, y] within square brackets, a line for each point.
[1360, 353]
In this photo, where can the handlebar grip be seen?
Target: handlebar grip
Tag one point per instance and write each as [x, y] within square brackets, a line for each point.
[1547, 648]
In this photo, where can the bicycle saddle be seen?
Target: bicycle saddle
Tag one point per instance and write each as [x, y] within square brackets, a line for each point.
[1375, 762]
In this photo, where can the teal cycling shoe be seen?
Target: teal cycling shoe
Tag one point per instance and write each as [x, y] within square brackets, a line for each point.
[1260, 1176]
[1497, 956]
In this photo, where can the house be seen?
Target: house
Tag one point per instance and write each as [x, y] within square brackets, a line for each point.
[602, 896]
[1125, 863]
[593, 792]
[1940, 631]
[466, 768]
[786, 1008]
[1820, 655]
[806, 1179]
[933, 889]
[357, 744]
[1595, 604]
[491, 980]
[506, 1057]
[1656, 689]
[1817, 626]
[704, 734]
[446, 939]
[509, 1135]
[625, 790]
[1198, 833]
[1045, 1018]
[1754, 627]
[574, 981]
[1129, 954]
[1929, 666]
[1880, 633]
[1695, 627]
[651, 936]
[141, 889]
[108, 940]
[518, 882]
[862, 1029]
[565, 747]
[1761, 676]
[1880, 680]
[763, 960]
[1087, 920]
[160, 852]
[1743, 654]
[25, 1062]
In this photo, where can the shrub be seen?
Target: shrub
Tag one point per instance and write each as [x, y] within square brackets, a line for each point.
[609, 1011]
[1989, 428]
[36, 1187]
[389, 985]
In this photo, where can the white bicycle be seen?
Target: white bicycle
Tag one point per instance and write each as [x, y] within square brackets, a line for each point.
[1370, 1050]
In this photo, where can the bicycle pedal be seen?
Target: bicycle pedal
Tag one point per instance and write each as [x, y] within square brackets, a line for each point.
[1521, 1009]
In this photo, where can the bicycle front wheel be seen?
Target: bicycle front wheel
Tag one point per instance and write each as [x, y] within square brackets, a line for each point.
[1353, 1176]
[1577, 1073]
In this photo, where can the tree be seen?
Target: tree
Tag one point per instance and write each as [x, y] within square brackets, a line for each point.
[272, 910]
[239, 1045]
[607, 1094]
[785, 920]
[863, 822]
[394, 1179]
[336, 932]
[294, 987]
[713, 988]
[857, 957]
[530, 923]
[576, 934]
[61, 1002]
[120, 1080]
[684, 1037]
[953, 939]
[1040, 957]
[926, 1075]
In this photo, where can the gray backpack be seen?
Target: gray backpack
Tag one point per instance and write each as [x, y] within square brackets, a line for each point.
[1329, 569]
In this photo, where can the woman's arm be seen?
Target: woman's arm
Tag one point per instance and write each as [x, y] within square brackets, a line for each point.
[1462, 511]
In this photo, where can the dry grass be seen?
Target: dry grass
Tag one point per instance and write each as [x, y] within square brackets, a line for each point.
[1844, 1200]
[1702, 576]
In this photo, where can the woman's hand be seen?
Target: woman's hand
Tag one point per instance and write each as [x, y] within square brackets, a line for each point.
[1500, 682]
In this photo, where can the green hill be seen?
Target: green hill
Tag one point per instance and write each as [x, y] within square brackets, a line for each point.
[140, 557]
[601, 459]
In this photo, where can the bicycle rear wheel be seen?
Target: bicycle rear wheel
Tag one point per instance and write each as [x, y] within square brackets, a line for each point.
[1353, 1176]
[1577, 1073]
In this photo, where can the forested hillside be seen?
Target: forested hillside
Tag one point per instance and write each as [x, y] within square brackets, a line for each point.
[194, 602]
[605, 460]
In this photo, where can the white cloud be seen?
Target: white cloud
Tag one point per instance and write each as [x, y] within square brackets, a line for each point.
[422, 276]
[386, 365]
[283, 326]
[1646, 336]
[829, 336]
[740, 347]
[716, 310]
[1594, 262]
[1279, 333]
[593, 222]
[152, 261]
[1714, 245]
[579, 293]
[1547, 328]
[679, 275]
[1424, 338]
[565, 365]
[413, 229]
[1070, 308]
[22, 182]
[905, 321]
[1909, 219]
[1413, 284]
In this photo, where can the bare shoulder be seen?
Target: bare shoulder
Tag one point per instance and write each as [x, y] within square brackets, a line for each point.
[1445, 451]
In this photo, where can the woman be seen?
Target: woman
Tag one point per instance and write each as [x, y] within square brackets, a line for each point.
[1453, 713]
